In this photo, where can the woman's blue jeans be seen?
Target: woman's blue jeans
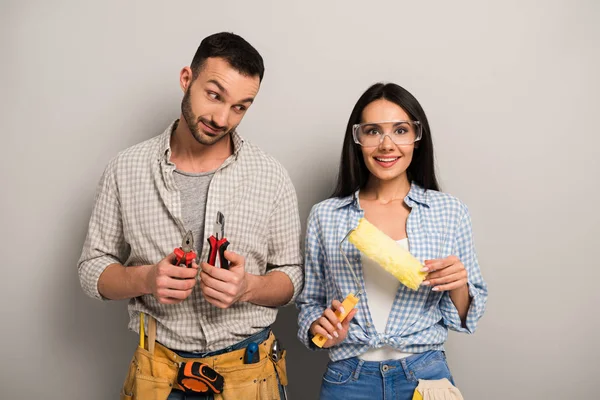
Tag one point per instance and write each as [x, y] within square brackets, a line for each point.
[393, 379]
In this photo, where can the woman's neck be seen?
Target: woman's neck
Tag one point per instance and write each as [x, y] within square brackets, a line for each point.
[387, 191]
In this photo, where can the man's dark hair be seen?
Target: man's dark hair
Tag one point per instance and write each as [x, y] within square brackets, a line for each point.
[232, 48]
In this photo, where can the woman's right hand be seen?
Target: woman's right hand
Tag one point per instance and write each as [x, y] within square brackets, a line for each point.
[330, 326]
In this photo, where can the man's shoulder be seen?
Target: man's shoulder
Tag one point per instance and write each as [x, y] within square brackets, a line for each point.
[142, 150]
[254, 157]
[137, 155]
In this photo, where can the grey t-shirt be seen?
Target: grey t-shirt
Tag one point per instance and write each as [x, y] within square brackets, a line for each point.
[194, 190]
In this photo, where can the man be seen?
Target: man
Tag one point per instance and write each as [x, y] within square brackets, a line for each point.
[153, 193]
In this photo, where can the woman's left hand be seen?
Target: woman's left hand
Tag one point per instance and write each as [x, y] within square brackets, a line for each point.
[445, 274]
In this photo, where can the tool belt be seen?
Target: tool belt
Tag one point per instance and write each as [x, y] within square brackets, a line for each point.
[155, 370]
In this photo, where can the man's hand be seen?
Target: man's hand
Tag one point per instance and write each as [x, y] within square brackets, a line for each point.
[445, 274]
[221, 287]
[171, 284]
[330, 326]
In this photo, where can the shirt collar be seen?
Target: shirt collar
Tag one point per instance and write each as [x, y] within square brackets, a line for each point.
[165, 142]
[418, 195]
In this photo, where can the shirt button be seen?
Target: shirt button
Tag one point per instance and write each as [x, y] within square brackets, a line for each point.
[385, 368]
[368, 324]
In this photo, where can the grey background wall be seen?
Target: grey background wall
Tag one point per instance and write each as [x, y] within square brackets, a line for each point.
[511, 89]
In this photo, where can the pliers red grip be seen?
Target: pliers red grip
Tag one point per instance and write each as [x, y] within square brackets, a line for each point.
[218, 244]
[185, 254]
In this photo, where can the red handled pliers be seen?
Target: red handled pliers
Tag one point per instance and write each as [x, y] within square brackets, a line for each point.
[218, 244]
[185, 254]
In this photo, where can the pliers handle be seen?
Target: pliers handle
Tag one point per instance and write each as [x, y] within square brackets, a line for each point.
[186, 254]
[184, 258]
[217, 249]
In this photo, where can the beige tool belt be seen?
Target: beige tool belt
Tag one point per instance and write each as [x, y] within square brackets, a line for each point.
[153, 374]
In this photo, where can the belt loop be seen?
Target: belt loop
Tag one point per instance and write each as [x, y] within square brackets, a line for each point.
[405, 367]
[356, 373]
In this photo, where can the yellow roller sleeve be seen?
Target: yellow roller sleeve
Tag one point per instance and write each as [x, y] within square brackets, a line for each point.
[388, 254]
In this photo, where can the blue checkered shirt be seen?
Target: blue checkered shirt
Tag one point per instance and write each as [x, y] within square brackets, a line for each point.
[438, 225]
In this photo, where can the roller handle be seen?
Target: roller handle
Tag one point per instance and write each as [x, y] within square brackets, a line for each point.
[348, 304]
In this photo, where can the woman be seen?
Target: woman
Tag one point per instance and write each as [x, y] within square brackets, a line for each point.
[394, 336]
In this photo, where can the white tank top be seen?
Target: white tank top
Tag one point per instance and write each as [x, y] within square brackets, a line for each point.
[381, 289]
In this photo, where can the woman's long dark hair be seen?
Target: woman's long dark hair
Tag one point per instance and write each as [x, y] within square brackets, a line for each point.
[353, 173]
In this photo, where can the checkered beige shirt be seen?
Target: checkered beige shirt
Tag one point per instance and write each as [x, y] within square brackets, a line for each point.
[137, 220]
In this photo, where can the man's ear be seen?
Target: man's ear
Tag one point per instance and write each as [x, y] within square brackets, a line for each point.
[185, 78]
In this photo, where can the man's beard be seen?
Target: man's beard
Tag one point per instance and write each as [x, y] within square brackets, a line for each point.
[192, 122]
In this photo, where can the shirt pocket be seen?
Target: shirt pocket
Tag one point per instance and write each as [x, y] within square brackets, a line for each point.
[428, 244]
[254, 255]
[247, 233]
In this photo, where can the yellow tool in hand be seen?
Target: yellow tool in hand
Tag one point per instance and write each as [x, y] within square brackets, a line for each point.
[388, 254]
[349, 302]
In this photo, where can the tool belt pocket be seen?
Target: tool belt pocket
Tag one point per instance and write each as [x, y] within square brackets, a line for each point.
[250, 381]
[148, 378]
[281, 369]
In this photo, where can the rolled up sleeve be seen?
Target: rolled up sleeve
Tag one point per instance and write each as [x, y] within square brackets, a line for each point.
[284, 237]
[104, 244]
[478, 292]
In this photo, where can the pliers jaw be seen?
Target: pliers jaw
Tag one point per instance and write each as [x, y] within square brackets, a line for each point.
[186, 254]
[187, 244]
[218, 227]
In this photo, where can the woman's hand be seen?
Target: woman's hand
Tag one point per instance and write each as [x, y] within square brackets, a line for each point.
[330, 326]
[445, 274]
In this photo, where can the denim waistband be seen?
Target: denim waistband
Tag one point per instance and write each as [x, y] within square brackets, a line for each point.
[357, 365]
[257, 338]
